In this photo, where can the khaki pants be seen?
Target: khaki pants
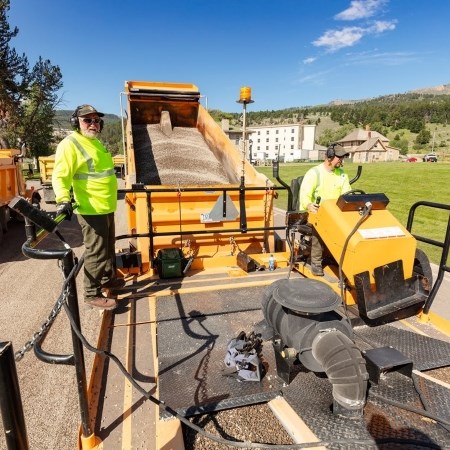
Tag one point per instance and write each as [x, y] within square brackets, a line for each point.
[99, 256]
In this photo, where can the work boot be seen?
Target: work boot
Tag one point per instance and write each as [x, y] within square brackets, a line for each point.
[114, 283]
[101, 302]
[316, 270]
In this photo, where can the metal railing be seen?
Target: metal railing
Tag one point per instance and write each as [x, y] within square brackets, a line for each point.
[151, 234]
[444, 245]
[10, 402]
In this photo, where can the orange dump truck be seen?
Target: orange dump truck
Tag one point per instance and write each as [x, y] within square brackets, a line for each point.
[12, 184]
[119, 164]
[46, 164]
[190, 190]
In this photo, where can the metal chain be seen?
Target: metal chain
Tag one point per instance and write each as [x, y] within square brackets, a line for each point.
[44, 327]
[53, 313]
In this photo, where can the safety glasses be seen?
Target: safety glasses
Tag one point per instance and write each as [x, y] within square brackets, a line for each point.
[89, 120]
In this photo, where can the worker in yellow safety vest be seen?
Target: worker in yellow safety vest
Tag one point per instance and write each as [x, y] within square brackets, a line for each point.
[84, 167]
[323, 182]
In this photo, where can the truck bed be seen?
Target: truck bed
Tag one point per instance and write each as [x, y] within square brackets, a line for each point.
[182, 159]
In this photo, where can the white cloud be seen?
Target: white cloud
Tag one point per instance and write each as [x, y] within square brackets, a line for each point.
[360, 9]
[381, 58]
[381, 26]
[318, 78]
[309, 60]
[334, 40]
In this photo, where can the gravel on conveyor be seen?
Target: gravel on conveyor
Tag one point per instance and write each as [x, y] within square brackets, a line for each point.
[182, 159]
[254, 423]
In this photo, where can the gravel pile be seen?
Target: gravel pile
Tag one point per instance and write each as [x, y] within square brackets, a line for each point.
[254, 423]
[182, 159]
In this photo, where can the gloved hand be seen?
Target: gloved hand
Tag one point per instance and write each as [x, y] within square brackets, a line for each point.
[64, 208]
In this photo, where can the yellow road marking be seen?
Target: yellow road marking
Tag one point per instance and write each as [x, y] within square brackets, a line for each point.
[414, 328]
[128, 389]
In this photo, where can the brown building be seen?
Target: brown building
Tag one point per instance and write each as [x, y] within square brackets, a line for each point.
[369, 146]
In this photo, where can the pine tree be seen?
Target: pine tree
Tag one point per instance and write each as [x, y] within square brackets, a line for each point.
[27, 97]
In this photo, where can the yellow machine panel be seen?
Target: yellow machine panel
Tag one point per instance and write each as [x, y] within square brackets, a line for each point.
[379, 240]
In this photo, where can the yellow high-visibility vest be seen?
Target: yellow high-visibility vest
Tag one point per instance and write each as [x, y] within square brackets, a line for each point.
[86, 166]
[318, 182]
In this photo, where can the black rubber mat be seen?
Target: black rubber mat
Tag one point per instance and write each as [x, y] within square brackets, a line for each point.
[425, 352]
[191, 350]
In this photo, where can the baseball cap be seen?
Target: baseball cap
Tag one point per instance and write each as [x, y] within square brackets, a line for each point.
[339, 151]
[84, 110]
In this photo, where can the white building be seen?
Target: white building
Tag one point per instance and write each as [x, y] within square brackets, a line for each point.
[283, 142]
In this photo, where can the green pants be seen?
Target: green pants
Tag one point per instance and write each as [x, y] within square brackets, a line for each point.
[99, 256]
[317, 248]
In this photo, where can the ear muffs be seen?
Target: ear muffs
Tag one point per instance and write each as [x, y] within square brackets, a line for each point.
[74, 121]
[330, 152]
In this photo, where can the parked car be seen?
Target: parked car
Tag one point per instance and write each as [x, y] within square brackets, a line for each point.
[430, 157]
[411, 159]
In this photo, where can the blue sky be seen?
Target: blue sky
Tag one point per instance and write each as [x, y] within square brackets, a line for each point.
[290, 52]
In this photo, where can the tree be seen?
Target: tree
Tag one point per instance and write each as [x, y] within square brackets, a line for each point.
[39, 107]
[27, 98]
[330, 136]
[423, 137]
[14, 77]
[112, 137]
[401, 144]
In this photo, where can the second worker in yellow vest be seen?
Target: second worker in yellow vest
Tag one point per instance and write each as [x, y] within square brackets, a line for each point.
[325, 181]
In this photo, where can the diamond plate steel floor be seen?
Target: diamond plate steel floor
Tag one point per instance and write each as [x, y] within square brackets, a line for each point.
[382, 420]
[311, 397]
[193, 333]
[425, 352]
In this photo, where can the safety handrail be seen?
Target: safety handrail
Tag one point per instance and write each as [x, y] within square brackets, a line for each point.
[139, 187]
[356, 177]
[11, 408]
[444, 245]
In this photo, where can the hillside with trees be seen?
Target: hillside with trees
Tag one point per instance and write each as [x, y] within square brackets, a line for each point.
[412, 121]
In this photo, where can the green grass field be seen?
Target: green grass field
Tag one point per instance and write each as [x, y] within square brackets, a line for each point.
[404, 184]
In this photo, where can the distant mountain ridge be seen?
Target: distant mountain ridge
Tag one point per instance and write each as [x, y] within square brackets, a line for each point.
[441, 89]
[62, 118]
